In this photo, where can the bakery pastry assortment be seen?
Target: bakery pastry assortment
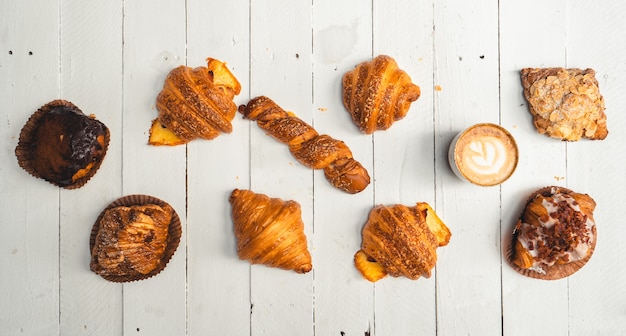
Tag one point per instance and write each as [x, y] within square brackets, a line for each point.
[62, 145]
[378, 93]
[555, 235]
[565, 103]
[400, 240]
[195, 103]
[134, 238]
[307, 146]
[269, 231]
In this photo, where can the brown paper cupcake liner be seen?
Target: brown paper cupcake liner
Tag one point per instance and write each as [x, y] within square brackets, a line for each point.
[556, 271]
[173, 236]
[23, 149]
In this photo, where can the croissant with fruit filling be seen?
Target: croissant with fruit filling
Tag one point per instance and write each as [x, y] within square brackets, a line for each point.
[378, 93]
[131, 240]
[400, 241]
[566, 104]
[555, 235]
[269, 231]
[195, 103]
[307, 146]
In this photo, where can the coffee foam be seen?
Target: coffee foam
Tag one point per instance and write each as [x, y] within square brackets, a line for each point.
[484, 154]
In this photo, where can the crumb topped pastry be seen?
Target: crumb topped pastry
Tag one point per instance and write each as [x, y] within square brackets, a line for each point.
[566, 103]
[134, 241]
[62, 145]
[555, 235]
[378, 93]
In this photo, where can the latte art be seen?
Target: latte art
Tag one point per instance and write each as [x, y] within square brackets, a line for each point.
[484, 154]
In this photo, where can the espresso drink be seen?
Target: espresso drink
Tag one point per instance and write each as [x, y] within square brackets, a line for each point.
[483, 154]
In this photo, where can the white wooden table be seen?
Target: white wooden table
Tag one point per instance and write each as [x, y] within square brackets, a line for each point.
[110, 58]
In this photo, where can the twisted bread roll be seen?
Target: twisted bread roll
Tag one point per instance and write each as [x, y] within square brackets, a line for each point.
[307, 146]
[400, 241]
[269, 231]
[195, 103]
[378, 93]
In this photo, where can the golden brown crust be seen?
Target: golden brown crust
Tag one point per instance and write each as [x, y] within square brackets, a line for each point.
[378, 93]
[307, 146]
[402, 240]
[555, 235]
[565, 103]
[269, 231]
[198, 102]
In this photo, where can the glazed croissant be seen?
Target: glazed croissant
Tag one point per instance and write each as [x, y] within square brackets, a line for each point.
[269, 231]
[307, 146]
[400, 241]
[378, 93]
[195, 103]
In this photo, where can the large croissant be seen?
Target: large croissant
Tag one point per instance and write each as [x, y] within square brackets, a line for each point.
[400, 241]
[195, 103]
[378, 93]
[269, 231]
[307, 146]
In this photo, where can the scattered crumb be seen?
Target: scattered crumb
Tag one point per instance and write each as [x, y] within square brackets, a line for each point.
[322, 109]
[514, 126]
[437, 87]
[420, 59]
[559, 178]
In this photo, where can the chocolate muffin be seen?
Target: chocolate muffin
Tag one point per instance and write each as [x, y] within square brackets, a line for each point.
[62, 145]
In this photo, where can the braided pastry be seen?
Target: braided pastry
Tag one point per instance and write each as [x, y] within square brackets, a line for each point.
[195, 103]
[400, 241]
[307, 146]
[378, 93]
[269, 231]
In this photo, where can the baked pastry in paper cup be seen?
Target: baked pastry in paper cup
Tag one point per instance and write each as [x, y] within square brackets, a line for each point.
[62, 145]
[134, 238]
[555, 235]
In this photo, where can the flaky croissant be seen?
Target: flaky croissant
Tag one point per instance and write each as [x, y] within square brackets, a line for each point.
[400, 241]
[269, 231]
[195, 103]
[378, 93]
[307, 146]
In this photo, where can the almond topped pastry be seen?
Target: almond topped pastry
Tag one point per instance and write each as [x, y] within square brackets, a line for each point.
[400, 241]
[555, 235]
[195, 103]
[269, 231]
[134, 241]
[378, 93]
[566, 104]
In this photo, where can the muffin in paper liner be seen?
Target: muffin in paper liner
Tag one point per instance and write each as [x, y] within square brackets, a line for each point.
[172, 241]
[64, 161]
[556, 271]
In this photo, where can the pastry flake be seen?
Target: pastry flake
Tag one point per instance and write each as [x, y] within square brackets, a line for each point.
[400, 241]
[378, 93]
[565, 103]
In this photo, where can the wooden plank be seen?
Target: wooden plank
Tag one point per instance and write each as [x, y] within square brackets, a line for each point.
[468, 270]
[29, 226]
[281, 301]
[154, 43]
[218, 282]
[88, 37]
[344, 301]
[404, 157]
[542, 159]
[595, 303]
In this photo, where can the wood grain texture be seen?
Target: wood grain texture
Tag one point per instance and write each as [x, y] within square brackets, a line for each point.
[111, 58]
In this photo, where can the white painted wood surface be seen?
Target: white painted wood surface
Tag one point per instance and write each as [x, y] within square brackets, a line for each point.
[110, 58]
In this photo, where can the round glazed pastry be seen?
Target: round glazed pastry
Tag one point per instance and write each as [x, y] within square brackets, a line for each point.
[555, 235]
[62, 145]
[134, 238]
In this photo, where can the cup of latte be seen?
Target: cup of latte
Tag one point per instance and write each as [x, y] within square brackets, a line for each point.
[483, 154]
